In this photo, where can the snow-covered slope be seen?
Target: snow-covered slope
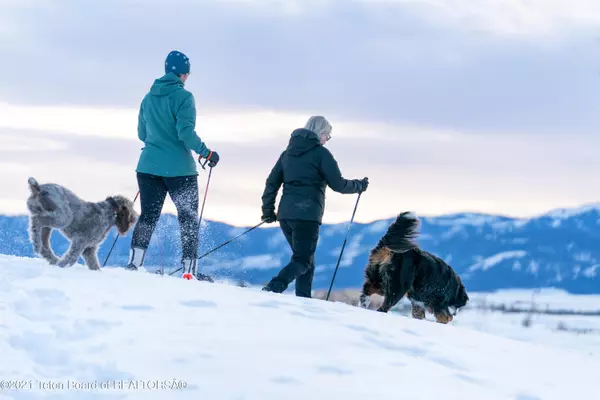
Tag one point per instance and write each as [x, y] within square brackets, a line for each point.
[558, 249]
[137, 335]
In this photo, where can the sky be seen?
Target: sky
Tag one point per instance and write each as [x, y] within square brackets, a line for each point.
[447, 106]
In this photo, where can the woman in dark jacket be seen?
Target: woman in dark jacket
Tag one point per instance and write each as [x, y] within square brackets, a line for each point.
[305, 169]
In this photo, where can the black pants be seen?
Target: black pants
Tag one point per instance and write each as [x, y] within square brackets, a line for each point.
[302, 237]
[183, 190]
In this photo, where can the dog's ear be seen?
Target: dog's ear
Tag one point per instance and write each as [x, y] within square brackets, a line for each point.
[34, 186]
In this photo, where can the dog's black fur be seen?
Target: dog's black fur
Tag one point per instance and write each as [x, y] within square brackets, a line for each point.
[398, 267]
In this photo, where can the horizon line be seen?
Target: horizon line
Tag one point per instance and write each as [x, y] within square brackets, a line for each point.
[548, 212]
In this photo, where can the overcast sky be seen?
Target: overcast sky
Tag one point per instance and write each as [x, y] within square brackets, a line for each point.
[447, 106]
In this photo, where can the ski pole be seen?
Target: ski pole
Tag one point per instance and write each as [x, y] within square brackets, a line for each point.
[194, 267]
[221, 245]
[343, 246]
[115, 242]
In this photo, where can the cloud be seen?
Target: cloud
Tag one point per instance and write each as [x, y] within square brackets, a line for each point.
[446, 106]
[506, 174]
[245, 126]
[530, 20]
[464, 64]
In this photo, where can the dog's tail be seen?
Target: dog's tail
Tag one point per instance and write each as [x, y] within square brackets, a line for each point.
[398, 239]
[401, 234]
[34, 186]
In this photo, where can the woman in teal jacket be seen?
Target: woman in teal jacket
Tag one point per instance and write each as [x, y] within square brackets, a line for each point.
[166, 125]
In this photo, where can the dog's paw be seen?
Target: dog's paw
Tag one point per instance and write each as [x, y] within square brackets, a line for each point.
[51, 258]
[364, 301]
[62, 263]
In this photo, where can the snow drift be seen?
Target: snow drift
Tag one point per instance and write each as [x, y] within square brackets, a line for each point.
[74, 333]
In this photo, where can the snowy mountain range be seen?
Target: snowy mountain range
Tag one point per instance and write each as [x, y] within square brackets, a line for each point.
[558, 249]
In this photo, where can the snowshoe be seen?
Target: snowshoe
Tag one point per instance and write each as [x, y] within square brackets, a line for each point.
[202, 277]
[189, 272]
[136, 259]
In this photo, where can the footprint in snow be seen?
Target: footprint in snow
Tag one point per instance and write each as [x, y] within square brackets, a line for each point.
[362, 329]
[285, 380]
[398, 364]
[39, 312]
[526, 397]
[198, 303]
[388, 345]
[43, 305]
[328, 369]
[96, 349]
[312, 309]
[447, 363]
[40, 350]
[269, 304]
[468, 379]
[409, 332]
[51, 295]
[84, 329]
[139, 307]
[192, 358]
[108, 372]
[311, 316]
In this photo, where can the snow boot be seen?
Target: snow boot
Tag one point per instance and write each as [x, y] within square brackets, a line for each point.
[275, 286]
[136, 258]
[202, 277]
[189, 271]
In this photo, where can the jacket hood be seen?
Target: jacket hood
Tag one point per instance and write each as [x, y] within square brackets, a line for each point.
[302, 141]
[166, 85]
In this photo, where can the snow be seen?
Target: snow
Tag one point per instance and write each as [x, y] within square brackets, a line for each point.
[235, 231]
[471, 219]
[489, 262]
[591, 272]
[565, 213]
[516, 266]
[277, 241]
[551, 298]
[263, 261]
[352, 250]
[533, 267]
[257, 262]
[455, 230]
[122, 334]
[584, 257]
[334, 229]
[497, 223]
[582, 335]
[379, 227]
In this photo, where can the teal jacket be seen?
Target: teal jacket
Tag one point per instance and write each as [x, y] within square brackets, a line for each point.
[166, 125]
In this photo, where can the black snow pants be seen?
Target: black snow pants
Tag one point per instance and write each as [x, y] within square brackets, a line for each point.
[302, 237]
[183, 190]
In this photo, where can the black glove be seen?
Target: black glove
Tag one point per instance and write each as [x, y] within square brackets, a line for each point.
[213, 159]
[363, 184]
[269, 217]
